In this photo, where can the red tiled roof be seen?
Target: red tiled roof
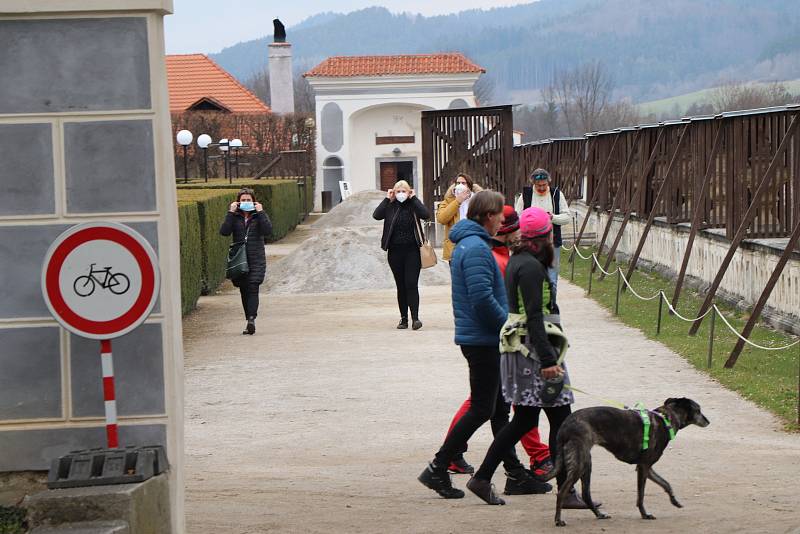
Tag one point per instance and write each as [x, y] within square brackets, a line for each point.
[191, 77]
[345, 66]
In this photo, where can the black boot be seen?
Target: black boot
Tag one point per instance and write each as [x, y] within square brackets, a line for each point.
[437, 479]
[403, 324]
[250, 329]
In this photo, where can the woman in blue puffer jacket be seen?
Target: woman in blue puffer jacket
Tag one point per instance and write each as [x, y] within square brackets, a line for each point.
[480, 308]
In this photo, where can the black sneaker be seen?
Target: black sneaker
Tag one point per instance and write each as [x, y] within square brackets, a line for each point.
[520, 482]
[438, 480]
[460, 466]
[403, 324]
[416, 324]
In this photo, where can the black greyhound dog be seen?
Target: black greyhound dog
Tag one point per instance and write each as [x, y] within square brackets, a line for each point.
[620, 432]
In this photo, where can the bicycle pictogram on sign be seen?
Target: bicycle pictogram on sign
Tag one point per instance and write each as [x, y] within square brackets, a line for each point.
[117, 283]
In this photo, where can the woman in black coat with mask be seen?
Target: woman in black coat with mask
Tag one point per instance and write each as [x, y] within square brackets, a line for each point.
[402, 239]
[246, 218]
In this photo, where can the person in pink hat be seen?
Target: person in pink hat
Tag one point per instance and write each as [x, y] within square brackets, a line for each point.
[523, 377]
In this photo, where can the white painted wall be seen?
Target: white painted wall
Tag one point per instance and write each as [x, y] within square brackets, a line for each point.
[383, 120]
[744, 280]
[384, 104]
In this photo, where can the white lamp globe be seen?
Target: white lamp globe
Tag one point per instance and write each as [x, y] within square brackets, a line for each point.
[203, 140]
[223, 144]
[184, 137]
[236, 143]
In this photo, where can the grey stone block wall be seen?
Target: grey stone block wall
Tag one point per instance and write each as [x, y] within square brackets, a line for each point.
[137, 361]
[68, 159]
[110, 166]
[26, 169]
[30, 382]
[32, 450]
[74, 65]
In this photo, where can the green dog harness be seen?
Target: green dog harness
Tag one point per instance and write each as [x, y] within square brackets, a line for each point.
[644, 413]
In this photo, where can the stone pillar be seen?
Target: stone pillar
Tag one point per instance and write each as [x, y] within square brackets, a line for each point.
[281, 80]
[85, 135]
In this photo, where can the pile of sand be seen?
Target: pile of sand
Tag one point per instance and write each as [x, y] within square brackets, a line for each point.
[342, 259]
[355, 211]
[344, 254]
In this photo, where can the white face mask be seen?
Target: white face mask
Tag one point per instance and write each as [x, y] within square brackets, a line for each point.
[460, 188]
[401, 197]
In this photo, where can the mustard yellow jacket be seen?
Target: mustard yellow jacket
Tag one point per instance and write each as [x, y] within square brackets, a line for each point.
[447, 216]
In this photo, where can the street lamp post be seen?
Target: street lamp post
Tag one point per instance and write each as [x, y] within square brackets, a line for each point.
[184, 138]
[203, 140]
[236, 145]
[223, 146]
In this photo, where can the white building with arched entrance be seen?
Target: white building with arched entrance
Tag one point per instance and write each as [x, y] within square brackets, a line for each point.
[369, 112]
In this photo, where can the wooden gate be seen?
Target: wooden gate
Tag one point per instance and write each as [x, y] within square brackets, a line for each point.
[475, 141]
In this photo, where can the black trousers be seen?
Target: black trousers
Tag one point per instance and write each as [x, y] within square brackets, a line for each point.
[406, 265]
[525, 418]
[249, 293]
[487, 404]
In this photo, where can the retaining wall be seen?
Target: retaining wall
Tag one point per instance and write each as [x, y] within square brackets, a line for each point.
[751, 267]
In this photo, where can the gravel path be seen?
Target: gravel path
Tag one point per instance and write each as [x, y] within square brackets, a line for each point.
[322, 421]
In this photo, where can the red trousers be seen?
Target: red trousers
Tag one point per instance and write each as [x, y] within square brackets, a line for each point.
[531, 442]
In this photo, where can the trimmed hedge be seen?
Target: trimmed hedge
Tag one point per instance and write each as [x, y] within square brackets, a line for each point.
[201, 210]
[280, 198]
[191, 267]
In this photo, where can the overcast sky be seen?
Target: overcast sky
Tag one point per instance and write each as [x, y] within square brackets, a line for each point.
[206, 26]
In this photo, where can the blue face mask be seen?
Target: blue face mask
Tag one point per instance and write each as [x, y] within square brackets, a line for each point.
[247, 206]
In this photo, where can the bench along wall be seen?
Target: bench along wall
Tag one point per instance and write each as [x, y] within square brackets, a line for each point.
[85, 135]
[744, 280]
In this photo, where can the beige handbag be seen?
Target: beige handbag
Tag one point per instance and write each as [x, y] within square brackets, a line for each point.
[427, 255]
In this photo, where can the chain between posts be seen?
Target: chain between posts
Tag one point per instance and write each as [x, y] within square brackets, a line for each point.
[663, 298]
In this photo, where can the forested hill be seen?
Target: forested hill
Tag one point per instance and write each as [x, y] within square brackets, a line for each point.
[653, 48]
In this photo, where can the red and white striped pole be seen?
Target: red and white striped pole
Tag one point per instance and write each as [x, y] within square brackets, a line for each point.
[109, 395]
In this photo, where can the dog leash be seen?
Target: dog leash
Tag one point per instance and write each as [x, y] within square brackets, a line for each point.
[638, 407]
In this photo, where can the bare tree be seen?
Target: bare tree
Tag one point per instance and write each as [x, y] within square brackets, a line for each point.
[592, 86]
[304, 101]
[303, 93]
[560, 92]
[735, 95]
[259, 85]
[619, 113]
[484, 90]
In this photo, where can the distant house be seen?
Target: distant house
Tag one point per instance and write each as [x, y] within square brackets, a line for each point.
[369, 112]
[196, 83]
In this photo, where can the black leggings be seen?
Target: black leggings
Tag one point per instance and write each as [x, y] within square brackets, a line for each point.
[249, 294]
[487, 404]
[406, 265]
[525, 418]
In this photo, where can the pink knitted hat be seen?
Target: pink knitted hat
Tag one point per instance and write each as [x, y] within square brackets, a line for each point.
[534, 222]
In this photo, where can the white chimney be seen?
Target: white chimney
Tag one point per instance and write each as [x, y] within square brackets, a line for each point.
[281, 79]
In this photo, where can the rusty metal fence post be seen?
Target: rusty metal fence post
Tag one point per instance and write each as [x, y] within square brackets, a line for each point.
[711, 337]
[660, 307]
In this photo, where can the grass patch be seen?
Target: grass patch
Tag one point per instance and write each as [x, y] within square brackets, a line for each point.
[12, 520]
[768, 378]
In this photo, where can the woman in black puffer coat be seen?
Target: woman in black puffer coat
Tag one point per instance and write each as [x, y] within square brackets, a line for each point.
[246, 217]
[401, 238]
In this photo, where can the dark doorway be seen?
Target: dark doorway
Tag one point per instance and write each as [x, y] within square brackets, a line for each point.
[393, 171]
